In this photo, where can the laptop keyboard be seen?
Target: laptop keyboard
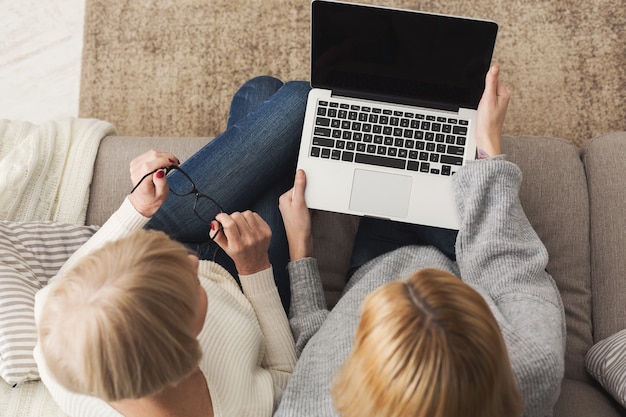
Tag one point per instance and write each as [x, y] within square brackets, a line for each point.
[394, 139]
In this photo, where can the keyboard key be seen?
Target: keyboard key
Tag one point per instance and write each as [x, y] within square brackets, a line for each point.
[322, 121]
[328, 143]
[459, 130]
[445, 170]
[321, 131]
[347, 156]
[380, 161]
[413, 166]
[315, 151]
[451, 160]
[455, 150]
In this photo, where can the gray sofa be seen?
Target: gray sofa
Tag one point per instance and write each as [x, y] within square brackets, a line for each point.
[574, 197]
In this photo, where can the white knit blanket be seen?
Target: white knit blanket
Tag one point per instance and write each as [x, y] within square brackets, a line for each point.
[46, 169]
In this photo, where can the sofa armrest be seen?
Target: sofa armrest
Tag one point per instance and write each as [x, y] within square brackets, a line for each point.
[605, 163]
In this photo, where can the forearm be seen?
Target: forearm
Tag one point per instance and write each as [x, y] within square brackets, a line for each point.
[498, 250]
[261, 290]
[308, 305]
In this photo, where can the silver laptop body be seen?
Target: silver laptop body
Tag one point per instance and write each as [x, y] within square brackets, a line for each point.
[392, 111]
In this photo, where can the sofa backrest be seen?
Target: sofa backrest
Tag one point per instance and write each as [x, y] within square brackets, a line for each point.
[553, 194]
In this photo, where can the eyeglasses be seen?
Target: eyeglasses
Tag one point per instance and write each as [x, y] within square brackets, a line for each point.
[204, 207]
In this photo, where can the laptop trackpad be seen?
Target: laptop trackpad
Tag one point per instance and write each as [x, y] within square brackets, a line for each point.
[380, 194]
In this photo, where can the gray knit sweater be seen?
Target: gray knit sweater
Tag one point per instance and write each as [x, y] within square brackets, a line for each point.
[498, 254]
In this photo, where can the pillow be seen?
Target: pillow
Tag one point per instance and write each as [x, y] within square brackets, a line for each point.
[30, 254]
[606, 362]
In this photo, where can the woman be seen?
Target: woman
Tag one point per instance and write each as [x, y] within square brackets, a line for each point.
[135, 325]
[427, 345]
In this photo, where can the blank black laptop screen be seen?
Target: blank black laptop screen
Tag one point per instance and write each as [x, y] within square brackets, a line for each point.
[400, 56]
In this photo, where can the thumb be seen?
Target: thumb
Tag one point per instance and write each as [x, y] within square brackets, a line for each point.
[491, 81]
[299, 185]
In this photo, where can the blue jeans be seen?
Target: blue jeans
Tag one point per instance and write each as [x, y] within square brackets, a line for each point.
[245, 168]
[376, 237]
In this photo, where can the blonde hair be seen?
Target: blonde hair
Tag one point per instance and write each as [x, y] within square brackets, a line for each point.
[119, 324]
[427, 346]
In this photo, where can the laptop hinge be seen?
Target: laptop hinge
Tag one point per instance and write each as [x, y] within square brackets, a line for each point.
[396, 100]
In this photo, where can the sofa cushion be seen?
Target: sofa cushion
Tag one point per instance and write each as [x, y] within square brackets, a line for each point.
[606, 362]
[32, 253]
[554, 197]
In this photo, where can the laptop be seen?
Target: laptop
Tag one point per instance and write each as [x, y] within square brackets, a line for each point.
[391, 114]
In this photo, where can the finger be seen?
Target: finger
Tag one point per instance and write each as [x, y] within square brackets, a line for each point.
[227, 229]
[159, 180]
[491, 82]
[299, 186]
[251, 225]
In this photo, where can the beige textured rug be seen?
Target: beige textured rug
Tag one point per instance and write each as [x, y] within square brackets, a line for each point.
[170, 67]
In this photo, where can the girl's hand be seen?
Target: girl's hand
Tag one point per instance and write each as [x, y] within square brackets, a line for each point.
[245, 237]
[297, 219]
[150, 195]
[490, 114]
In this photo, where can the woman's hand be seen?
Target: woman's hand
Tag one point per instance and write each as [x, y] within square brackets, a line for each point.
[150, 195]
[490, 114]
[297, 219]
[245, 237]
